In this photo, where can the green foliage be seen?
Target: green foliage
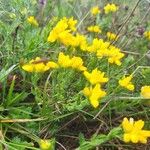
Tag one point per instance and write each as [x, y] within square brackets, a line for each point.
[55, 97]
[97, 140]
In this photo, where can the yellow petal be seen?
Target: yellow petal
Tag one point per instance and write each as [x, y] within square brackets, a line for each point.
[52, 64]
[86, 91]
[134, 138]
[130, 87]
[28, 67]
[127, 126]
[139, 124]
[126, 138]
[94, 103]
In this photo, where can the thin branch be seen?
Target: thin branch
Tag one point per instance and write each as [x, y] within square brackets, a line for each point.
[20, 120]
[102, 109]
[126, 21]
[61, 145]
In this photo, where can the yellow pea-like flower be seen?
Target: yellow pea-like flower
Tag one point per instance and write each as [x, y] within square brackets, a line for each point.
[95, 76]
[32, 21]
[95, 10]
[126, 83]
[133, 131]
[145, 92]
[94, 94]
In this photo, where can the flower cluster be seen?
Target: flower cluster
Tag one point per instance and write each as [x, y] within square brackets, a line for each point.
[95, 77]
[95, 10]
[126, 83]
[110, 8]
[133, 131]
[94, 29]
[111, 36]
[62, 32]
[32, 21]
[145, 92]
[75, 62]
[39, 65]
[105, 49]
[147, 34]
[64, 61]
[107, 9]
[94, 94]
[65, 32]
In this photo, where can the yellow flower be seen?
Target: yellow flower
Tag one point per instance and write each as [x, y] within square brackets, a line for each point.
[105, 49]
[133, 131]
[38, 65]
[126, 83]
[95, 29]
[64, 60]
[147, 34]
[110, 8]
[62, 32]
[32, 20]
[95, 10]
[77, 63]
[95, 76]
[97, 44]
[45, 145]
[145, 92]
[52, 64]
[72, 23]
[60, 27]
[81, 41]
[111, 36]
[114, 55]
[67, 38]
[94, 94]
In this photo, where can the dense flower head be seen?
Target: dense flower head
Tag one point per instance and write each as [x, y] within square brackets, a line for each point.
[95, 29]
[94, 94]
[147, 34]
[114, 55]
[38, 65]
[111, 36]
[95, 10]
[105, 49]
[145, 92]
[75, 62]
[81, 41]
[96, 45]
[67, 38]
[96, 76]
[62, 32]
[133, 131]
[126, 82]
[60, 27]
[110, 8]
[72, 24]
[32, 20]
[45, 145]
[64, 60]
